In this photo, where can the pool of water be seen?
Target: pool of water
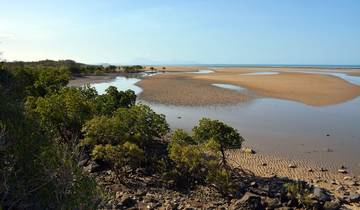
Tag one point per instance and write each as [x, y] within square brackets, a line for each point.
[262, 73]
[230, 87]
[351, 79]
[205, 71]
[284, 128]
[122, 83]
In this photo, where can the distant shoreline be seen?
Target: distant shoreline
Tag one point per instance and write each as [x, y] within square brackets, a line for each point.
[319, 66]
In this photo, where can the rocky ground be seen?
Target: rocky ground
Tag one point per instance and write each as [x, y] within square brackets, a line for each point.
[141, 190]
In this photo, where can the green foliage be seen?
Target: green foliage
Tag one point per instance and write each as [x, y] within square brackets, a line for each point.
[49, 80]
[226, 136]
[132, 69]
[181, 137]
[197, 158]
[37, 173]
[137, 124]
[127, 154]
[107, 103]
[126, 138]
[62, 113]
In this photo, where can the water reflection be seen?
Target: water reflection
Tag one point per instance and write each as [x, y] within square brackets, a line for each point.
[122, 83]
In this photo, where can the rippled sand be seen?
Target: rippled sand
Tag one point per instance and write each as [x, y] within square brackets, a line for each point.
[280, 167]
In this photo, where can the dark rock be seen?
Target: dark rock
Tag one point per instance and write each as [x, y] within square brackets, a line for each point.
[272, 203]
[355, 198]
[292, 165]
[253, 184]
[343, 171]
[93, 167]
[332, 205]
[321, 195]
[249, 151]
[127, 201]
[248, 202]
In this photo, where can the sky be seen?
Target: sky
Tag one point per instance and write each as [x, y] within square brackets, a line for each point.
[182, 32]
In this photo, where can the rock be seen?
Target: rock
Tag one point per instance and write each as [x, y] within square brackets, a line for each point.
[292, 165]
[83, 162]
[327, 134]
[323, 169]
[347, 178]
[272, 203]
[333, 182]
[332, 205]
[343, 171]
[354, 198]
[93, 167]
[127, 201]
[320, 194]
[179, 117]
[248, 202]
[253, 184]
[264, 164]
[249, 151]
[310, 170]
[328, 150]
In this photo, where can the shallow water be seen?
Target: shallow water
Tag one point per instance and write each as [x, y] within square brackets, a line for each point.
[122, 83]
[285, 128]
[205, 71]
[351, 79]
[230, 87]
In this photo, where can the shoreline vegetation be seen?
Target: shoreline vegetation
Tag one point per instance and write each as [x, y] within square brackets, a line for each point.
[71, 148]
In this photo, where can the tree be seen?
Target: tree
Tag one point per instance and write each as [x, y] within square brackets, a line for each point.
[126, 137]
[61, 113]
[113, 99]
[226, 136]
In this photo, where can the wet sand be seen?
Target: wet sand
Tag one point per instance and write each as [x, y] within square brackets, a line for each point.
[310, 89]
[195, 89]
[330, 179]
[175, 68]
[183, 89]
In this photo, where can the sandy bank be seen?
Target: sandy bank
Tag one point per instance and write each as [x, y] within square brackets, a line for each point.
[311, 89]
[176, 68]
[183, 89]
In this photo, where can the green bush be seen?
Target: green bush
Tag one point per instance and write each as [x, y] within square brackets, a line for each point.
[198, 158]
[62, 113]
[226, 136]
[119, 156]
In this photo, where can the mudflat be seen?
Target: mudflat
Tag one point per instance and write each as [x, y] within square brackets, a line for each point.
[185, 90]
[289, 84]
[311, 89]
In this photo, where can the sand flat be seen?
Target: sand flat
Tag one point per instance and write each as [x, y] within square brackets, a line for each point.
[311, 89]
[176, 68]
[279, 166]
[194, 89]
[183, 89]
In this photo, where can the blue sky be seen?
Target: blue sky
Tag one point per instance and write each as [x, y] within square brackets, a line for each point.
[179, 32]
